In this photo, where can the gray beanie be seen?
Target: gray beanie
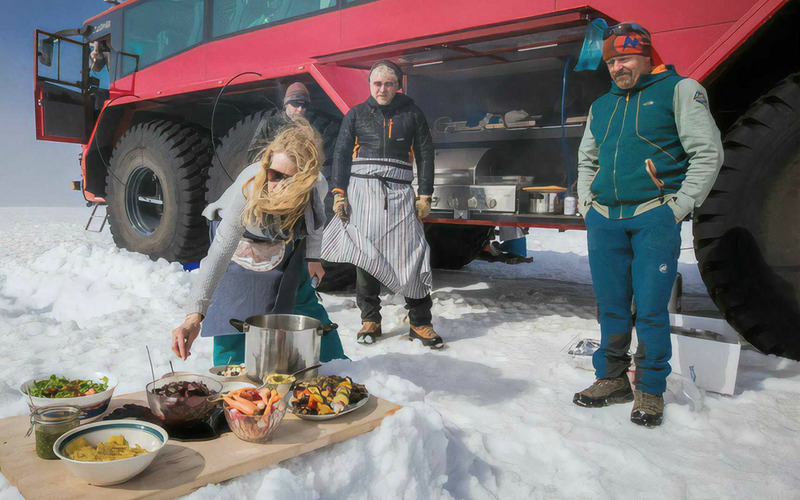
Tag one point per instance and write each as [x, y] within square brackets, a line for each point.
[297, 92]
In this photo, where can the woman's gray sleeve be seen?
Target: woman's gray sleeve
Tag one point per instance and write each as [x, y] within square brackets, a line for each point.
[214, 265]
[314, 238]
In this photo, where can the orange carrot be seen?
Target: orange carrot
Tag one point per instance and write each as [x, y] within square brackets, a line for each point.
[237, 405]
[274, 399]
[249, 406]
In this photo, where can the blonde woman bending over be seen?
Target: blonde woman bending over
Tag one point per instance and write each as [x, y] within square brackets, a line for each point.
[265, 228]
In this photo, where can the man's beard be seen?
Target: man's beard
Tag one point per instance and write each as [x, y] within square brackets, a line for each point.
[623, 79]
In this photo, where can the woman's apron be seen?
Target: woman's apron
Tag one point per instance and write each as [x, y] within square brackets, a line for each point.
[243, 292]
[384, 235]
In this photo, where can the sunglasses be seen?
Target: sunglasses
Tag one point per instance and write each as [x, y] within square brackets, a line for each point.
[298, 104]
[276, 176]
[624, 29]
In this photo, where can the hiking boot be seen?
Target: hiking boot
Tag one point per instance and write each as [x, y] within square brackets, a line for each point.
[648, 409]
[369, 333]
[604, 392]
[426, 335]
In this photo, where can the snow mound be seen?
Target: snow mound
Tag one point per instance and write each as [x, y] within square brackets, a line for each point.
[490, 416]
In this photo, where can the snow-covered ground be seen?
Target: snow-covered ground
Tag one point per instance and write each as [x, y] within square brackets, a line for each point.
[490, 416]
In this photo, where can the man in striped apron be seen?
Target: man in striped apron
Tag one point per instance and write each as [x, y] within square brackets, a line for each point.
[379, 225]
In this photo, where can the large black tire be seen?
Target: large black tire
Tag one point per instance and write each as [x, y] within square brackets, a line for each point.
[155, 191]
[234, 152]
[234, 155]
[746, 234]
[453, 246]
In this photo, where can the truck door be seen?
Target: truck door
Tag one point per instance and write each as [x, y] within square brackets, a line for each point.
[64, 111]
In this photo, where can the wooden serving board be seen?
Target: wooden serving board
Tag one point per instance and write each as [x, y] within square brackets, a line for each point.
[179, 468]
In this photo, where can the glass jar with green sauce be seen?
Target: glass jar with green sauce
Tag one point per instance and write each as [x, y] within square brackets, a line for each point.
[51, 423]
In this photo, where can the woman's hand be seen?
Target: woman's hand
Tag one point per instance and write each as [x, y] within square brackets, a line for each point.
[184, 335]
[315, 269]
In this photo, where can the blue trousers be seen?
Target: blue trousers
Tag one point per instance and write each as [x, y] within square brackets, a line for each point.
[634, 258]
[516, 246]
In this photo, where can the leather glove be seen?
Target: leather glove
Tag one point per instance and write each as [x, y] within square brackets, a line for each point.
[341, 207]
[423, 206]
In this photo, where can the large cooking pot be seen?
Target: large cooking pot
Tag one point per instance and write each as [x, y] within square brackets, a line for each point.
[544, 203]
[281, 343]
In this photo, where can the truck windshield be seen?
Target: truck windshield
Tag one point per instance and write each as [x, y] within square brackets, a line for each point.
[157, 29]
[230, 16]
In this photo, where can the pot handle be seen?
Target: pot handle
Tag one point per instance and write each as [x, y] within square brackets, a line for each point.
[327, 329]
[238, 324]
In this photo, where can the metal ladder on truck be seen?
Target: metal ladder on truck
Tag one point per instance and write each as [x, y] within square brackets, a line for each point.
[94, 216]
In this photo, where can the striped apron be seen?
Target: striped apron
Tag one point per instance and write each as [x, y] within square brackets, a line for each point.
[384, 235]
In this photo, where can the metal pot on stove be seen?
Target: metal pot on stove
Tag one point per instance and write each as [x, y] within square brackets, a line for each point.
[544, 203]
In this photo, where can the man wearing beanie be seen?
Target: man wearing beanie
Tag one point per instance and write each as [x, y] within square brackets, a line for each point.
[296, 101]
[650, 154]
[379, 225]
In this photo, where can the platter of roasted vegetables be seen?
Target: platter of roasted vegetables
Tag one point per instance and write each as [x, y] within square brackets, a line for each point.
[327, 397]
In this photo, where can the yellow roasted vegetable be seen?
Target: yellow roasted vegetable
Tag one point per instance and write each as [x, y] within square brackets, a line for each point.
[342, 397]
[323, 409]
[114, 449]
[75, 445]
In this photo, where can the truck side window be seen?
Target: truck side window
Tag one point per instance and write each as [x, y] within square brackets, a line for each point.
[230, 16]
[157, 29]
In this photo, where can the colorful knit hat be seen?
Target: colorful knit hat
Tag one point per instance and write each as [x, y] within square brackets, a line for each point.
[628, 39]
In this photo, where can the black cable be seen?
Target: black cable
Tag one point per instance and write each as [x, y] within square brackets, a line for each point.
[564, 147]
[213, 113]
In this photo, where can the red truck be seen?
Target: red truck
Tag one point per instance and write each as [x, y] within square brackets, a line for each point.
[165, 124]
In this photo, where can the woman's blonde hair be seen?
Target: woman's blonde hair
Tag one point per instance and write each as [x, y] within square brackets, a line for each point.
[303, 145]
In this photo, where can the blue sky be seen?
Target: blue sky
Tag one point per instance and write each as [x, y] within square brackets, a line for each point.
[34, 173]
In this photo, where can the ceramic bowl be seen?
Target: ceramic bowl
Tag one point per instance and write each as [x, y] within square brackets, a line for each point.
[241, 377]
[149, 436]
[93, 405]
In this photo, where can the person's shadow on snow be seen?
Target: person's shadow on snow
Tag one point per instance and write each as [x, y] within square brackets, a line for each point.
[480, 384]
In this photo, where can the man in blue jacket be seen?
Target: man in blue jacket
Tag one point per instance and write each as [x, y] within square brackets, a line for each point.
[650, 154]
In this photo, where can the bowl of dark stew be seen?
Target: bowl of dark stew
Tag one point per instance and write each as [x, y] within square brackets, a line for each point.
[183, 398]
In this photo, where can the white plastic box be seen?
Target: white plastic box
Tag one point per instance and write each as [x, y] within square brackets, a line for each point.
[705, 350]
[711, 363]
